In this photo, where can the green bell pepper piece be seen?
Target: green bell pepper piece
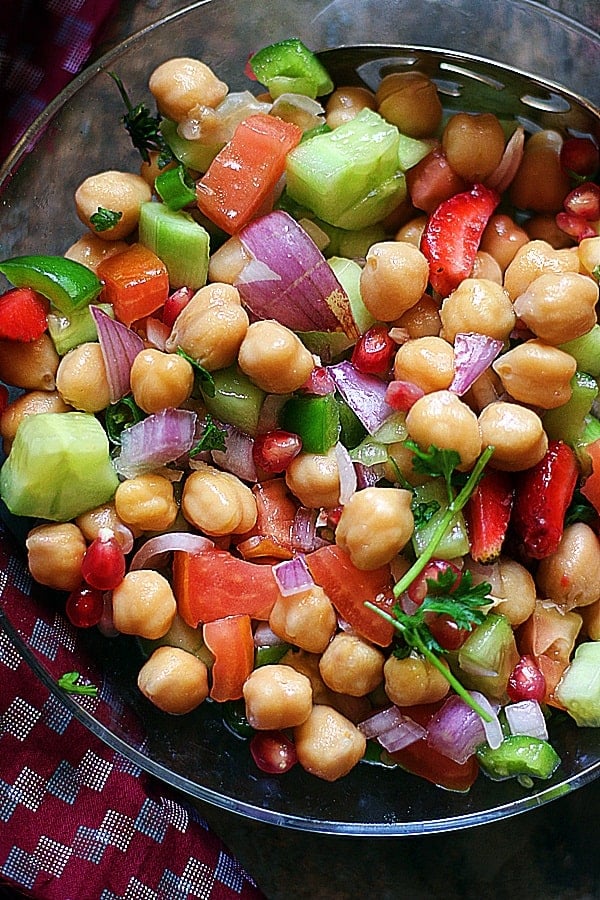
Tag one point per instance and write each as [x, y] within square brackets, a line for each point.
[175, 188]
[517, 755]
[316, 419]
[67, 284]
[290, 67]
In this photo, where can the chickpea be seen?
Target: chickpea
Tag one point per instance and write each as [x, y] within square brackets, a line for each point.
[502, 238]
[413, 680]
[537, 374]
[543, 227]
[589, 254]
[314, 479]
[569, 577]
[274, 358]
[181, 83]
[29, 404]
[160, 380]
[591, 620]
[422, 319]
[217, 502]
[442, 419]
[559, 308]
[393, 279]
[485, 390]
[119, 192]
[477, 305]
[534, 259]
[376, 523]
[540, 183]
[105, 516]
[400, 459]
[345, 103]
[90, 250]
[412, 231]
[354, 708]
[474, 144]
[277, 697]
[428, 362]
[31, 365]
[143, 604]
[351, 665]
[307, 619]
[227, 262]
[485, 266]
[55, 554]
[328, 744]
[146, 502]
[151, 169]
[174, 680]
[410, 101]
[513, 588]
[211, 327]
[81, 378]
[517, 434]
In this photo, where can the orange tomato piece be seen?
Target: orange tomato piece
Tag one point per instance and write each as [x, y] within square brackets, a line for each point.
[136, 283]
[549, 636]
[213, 584]
[349, 588]
[240, 182]
[272, 532]
[231, 642]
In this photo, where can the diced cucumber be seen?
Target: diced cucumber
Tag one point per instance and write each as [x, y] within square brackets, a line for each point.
[411, 151]
[586, 350]
[59, 467]
[566, 423]
[237, 401]
[350, 176]
[488, 656]
[518, 754]
[75, 329]
[579, 688]
[455, 542]
[180, 242]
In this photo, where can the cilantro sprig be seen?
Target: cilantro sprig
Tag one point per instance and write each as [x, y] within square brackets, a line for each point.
[143, 128]
[69, 682]
[213, 438]
[103, 219]
[202, 375]
[435, 462]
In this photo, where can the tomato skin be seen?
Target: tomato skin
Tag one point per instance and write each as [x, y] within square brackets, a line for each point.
[231, 642]
[23, 315]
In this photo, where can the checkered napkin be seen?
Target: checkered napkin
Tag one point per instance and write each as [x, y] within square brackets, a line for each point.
[43, 44]
[78, 821]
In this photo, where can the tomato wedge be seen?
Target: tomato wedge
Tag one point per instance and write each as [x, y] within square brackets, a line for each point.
[231, 643]
[422, 760]
[549, 636]
[272, 533]
[349, 588]
[213, 584]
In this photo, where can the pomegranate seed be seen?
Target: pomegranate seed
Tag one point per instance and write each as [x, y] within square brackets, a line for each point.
[319, 382]
[103, 565]
[419, 588]
[174, 304]
[584, 201]
[85, 606]
[402, 395]
[526, 681]
[445, 630]
[273, 752]
[374, 351]
[579, 156]
[274, 451]
[575, 226]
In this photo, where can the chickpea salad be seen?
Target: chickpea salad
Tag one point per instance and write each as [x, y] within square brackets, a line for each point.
[310, 410]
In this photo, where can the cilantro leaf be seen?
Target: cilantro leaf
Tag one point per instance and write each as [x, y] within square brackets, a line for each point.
[213, 438]
[203, 376]
[580, 510]
[69, 683]
[121, 415]
[596, 272]
[103, 219]
[435, 462]
[143, 128]
[424, 511]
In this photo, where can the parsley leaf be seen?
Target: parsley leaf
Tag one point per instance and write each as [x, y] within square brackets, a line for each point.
[580, 510]
[435, 462]
[213, 438]
[143, 127]
[203, 376]
[596, 272]
[104, 219]
[424, 511]
[121, 415]
[68, 682]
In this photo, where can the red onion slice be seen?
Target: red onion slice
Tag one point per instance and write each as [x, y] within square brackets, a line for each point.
[506, 169]
[293, 576]
[456, 730]
[526, 717]
[155, 441]
[364, 394]
[473, 354]
[380, 721]
[237, 457]
[304, 530]
[120, 346]
[347, 473]
[289, 279]
[264, 636]
[153, 552]
[157, 333]
[493, 728]
[392, 729]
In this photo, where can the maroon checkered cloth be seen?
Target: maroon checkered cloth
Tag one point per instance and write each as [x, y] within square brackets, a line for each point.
[43, 44]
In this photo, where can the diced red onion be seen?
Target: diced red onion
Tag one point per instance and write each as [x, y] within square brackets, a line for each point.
[106, 625]
[380, 721]
[268, 419]
[347, 473]
[392, 729]
[293, 576]
[493, 729]
[506, 169]
[368, 476]
[157, 333]
[264, 636]
[237, 456]
[155, 441]
[364, 394]
[526, 717]
[120, 346]
[289, 279]
[304, 530]
[153, 551]
[473, 354]
[456, 730]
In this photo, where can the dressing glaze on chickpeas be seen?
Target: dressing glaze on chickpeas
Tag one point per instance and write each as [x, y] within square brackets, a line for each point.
[528, 289]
